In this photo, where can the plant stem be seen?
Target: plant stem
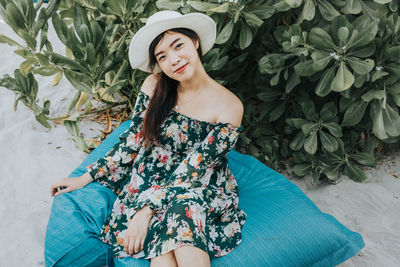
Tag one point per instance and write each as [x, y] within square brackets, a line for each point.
[83, 113]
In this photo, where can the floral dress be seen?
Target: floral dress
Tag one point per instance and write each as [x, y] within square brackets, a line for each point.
[184, 177]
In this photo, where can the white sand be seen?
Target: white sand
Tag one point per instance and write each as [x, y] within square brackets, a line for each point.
[32, 158]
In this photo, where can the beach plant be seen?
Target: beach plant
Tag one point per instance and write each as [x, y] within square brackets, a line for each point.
[320, 80]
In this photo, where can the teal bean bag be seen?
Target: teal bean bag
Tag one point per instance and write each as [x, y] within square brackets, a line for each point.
[283, 226]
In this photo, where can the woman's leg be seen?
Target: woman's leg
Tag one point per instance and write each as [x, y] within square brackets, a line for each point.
[165, 260]
[191, 256]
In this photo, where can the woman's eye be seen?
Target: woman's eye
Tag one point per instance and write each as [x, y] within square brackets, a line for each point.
[178, 45]
[160, 57]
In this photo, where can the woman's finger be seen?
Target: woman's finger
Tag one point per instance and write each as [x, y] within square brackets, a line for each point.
[59, 183]
[131, 245]
[68, 189]
[126, 243]
[137, 245]
[142, 244]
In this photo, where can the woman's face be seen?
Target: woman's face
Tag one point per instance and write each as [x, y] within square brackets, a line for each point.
[174, 51]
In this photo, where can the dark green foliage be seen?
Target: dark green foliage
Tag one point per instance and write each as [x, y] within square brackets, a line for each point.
[320, 79]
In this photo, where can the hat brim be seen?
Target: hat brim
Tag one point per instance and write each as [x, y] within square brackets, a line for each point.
[203, 25]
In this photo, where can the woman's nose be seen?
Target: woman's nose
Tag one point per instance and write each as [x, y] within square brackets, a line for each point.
[175, 58]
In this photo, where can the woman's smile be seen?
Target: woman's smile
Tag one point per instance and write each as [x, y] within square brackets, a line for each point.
[181, 69]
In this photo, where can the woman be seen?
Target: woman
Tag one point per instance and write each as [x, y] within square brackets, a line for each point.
[177, 199]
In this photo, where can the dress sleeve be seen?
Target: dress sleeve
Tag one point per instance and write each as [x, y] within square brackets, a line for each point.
[189, 172]
[116, 165]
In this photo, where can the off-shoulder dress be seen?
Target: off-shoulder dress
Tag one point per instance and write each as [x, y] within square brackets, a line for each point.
[184, 177]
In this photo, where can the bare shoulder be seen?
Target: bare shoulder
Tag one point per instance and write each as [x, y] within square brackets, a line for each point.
[231, 107]
[149, 84]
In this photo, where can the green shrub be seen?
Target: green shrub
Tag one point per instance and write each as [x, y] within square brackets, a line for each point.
[319, 79]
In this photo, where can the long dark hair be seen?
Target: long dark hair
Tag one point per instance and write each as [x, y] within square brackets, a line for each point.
[165, 94]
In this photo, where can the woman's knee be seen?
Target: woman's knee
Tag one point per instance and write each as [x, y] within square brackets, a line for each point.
[167, 260]
[192, 256]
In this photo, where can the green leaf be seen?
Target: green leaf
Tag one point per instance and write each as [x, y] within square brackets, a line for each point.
[378, 127]
[43, 60]
[168, 4]
[364, 158]
[308, 108]
[5, 40]
[301, 169]
[373, 94]
[30, 41]
[391, 120]
[333, 128]
[65, 62]
[271, 63]
[294, 80]
[363, 52]
[202, 6]
[78, 80]
[365, 36]
[46, 71]
[360, 66]
[41, 118]
[328, 112]
[321, 59]
[304, 68]
[225, 33]
[311, 143]
[343, 79]
[277, 112]
[27, 66]
[84, 34]
[296, 122]
[97, 34]
[265, 11]
[74, 101]
[328, 12]
[321, 39]
[332, 171]
[297, 142]
[90, 55]
[275, 79]
[354, 113]
[382, 2]
[81, 23]
[308, 10]
[220, 9]
[307, 128]
[14, 17]
[352, 7]
[61, 28]
[252, 19]
[324, 84]
[245, 36]
[355, 173]
[293, 3]
[269, 95]
[328, 141]
[116, 87]
[73, 129]
[57, 79]
[343, 34]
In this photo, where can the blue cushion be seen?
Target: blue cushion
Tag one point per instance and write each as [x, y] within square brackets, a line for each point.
[283, 226]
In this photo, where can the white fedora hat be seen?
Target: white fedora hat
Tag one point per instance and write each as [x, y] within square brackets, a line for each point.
[201, 24]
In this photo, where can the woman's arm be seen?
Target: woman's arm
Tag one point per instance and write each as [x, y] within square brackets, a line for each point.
[116, 166]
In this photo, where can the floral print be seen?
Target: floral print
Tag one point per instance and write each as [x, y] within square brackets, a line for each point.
[183, 176]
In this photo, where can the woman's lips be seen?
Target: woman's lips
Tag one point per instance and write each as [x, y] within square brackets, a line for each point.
[181, 69]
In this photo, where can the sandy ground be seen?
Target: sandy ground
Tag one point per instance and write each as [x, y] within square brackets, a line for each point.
[33, 157]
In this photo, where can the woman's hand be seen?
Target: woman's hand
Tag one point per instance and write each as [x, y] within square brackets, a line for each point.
[137, 230]
[69, 184]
